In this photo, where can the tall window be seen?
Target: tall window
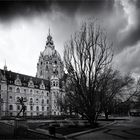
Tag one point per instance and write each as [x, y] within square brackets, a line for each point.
[10, 89]
[10, 97]
[10, 107]
[31, 100]
[18, 90]
[37, 100]
[42, 108]
[46, 67]
[31, 91]
[47, 101]
[42, 101]
[37, 108]
[53, 83]
[24, 90]
[17, 99]
[56, 84]
[31, 108]
[18, 107]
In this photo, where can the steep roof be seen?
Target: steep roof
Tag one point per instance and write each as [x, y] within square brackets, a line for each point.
[12, 76]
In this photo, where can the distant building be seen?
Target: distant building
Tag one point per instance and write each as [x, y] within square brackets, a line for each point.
[40, 92]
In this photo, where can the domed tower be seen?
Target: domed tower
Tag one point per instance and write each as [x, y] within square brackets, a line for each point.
[49, 59]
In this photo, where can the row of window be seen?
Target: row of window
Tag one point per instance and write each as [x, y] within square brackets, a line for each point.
[31, 100]
[55, 83]
[55, 62]
[31, 108]
[25, 90]
[31, 114]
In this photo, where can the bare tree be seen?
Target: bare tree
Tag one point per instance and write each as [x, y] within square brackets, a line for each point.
[115, 86]
[86, 56]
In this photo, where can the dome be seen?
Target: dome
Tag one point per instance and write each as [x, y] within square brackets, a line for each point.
[51, 52]
[50, 48]
[48, 51]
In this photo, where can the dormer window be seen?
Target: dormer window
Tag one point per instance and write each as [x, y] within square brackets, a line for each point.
[30, 83]
[42, 86]
[18, 81]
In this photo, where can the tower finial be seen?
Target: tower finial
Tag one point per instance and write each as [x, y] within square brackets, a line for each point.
[49, 31]
[5, 67]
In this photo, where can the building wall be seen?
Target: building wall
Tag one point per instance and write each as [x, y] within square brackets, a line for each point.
[36, 98]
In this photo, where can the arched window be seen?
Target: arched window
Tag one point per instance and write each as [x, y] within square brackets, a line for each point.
[42, 108]
[37, 108]
[55, 62]
[10, 89]
[40, 72]
[42, 101]
[31, 107]
[31, 91]
[18, 90]
[46, 67]
[18, 107]
[10, 97]
[17, 99]
[24, 90]
[56, 84]
[31, 100]
[53, 83]
[25, 99]
[10, 107]
[37, 100]
[47, 101]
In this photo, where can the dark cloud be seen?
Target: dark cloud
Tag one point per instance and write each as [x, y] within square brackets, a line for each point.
[132, 35]
[131, 38]
[13, 8]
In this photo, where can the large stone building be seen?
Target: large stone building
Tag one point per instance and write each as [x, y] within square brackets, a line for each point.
[40, 92]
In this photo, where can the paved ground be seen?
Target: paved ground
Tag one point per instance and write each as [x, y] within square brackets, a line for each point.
[128, 129]
[6, 131]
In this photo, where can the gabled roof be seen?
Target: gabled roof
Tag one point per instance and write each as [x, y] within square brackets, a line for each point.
[12, 76]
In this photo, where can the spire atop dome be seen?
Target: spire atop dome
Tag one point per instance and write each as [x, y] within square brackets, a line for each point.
[49, 31]
[49, 41]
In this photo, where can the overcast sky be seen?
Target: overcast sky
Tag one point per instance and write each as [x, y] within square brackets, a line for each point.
[24, 27]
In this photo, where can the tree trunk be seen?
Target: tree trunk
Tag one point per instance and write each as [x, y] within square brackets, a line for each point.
[106, 115]
[92, 120]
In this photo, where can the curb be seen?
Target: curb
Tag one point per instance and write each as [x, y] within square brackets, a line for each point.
[88, 131]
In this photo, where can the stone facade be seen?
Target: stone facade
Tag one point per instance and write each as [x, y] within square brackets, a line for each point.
[40, 92]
